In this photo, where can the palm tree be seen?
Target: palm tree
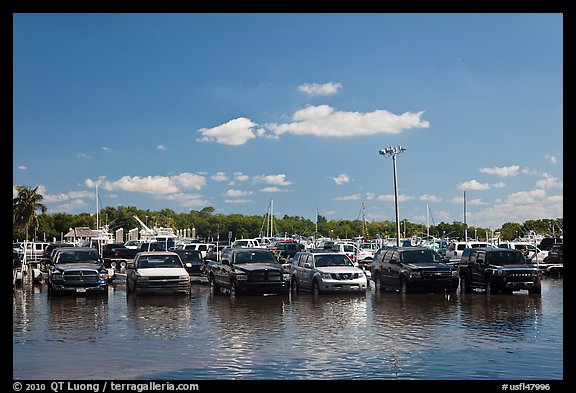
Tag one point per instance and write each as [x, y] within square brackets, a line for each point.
[24, 206]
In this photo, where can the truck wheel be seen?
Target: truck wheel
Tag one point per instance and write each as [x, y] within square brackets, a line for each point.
[488, 286]
[213, 286]
[316, 288]
[294, 285]
[377, 282]
[536, 290]
[465, 285]
[403, 286]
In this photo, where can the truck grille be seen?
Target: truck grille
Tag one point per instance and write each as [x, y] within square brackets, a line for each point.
[265, 276]
[344, 276]
[78, 277]
[438, 275]
[520, 274]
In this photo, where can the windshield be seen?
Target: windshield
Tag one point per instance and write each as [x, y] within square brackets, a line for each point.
[78, 256]
[332, 260]
[505, 258]
[254, 256]
[420, 256]
[162, 261]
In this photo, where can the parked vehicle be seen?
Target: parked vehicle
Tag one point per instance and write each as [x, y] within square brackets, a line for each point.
[158, 272]
[454, 251]
[498, 270]
[555, 260]
[350, 249]
[328, 271]
[531, 252]
[413, 269]
[77, 270]
[546, 243]
[197, 263]
[248, 243]
[16, 269]
[283, 249]
[32, 250]
[214, 252]
[248, 270]
[132, 243]
[202, 247]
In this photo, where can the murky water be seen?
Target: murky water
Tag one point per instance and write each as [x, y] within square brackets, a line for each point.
[368, 336]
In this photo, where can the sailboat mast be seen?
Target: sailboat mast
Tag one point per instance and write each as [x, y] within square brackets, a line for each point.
[96, 206]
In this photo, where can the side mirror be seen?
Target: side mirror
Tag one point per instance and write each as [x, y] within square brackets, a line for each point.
[307, 265]
[225, 262]
[393, 262]
[130, 265]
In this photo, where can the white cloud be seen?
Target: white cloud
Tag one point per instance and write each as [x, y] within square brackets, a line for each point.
[355, 197]
[341, 179]
[237, 193]
[503, 171]
[235, 132]
[185, 199]
[239, 176]
[550, 158]
[151, 184]
[473, 185]
[161, 147]
[391, 198]
[324, 121]
[219, 176]
[55, 198]
[429, 198]
[272, 189]
[549, 182]
[316, 89]
[22, 167]
[238, 201]
[83, 156]
[279, 180]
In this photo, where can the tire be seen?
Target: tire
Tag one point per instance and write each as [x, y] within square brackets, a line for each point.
[233, 289]
[213, 286]
[488, 287]
[536, 290]
[377, 282]
[316, 288]
[294, 285]
[465, 286]
[404, 286]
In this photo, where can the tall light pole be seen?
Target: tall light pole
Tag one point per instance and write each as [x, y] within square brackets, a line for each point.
[394, 151]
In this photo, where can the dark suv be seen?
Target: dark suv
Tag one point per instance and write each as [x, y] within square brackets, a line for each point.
[498, 270]
[413, 269]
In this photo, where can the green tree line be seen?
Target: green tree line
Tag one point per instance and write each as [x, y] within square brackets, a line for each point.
[30, 221]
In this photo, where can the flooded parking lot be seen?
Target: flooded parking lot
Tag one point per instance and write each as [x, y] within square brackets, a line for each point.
[301, 336]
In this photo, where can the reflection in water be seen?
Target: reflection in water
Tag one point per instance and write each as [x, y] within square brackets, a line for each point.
[300, 336]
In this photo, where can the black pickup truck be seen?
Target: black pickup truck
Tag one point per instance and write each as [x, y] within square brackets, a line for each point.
[248, 270]
[117, 255]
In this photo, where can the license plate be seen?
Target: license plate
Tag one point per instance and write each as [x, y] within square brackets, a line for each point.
[82, 290]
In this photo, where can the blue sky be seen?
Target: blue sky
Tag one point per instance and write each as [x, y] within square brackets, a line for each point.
[184, 111]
